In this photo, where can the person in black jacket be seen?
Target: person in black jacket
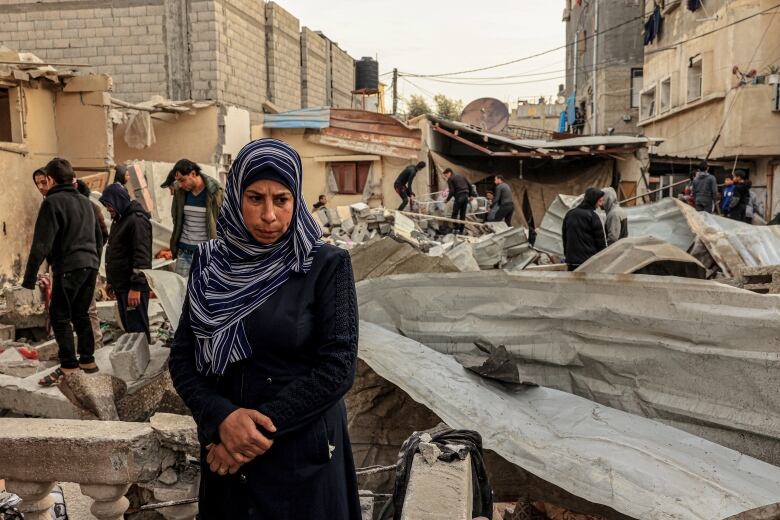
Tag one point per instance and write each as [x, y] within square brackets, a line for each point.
[583, 231]
[459, 189]
[403, 184]
[68, 237]
[740, 198]
[129, 251]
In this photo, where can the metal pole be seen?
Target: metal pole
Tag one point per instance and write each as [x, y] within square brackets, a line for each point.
[395, 91]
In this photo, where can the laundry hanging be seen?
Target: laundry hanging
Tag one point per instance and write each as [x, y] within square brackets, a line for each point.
[653, 25]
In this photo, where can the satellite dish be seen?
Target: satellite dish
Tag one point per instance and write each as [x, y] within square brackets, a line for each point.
[489, 114]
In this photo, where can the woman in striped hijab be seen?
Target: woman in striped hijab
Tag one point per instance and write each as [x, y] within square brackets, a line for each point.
[266, 349]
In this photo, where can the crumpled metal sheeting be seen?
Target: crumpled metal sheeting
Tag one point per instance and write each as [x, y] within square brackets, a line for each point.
[638, 467]
[644, 255]
[667, 348]
[756, 245]
[661, 219]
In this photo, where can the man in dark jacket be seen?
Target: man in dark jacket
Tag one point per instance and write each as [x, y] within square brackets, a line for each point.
[67, 236]
[740, 197]
[403, 184]
[459, 189]
[583, 231]
[503, 206]
[705, 189]
[129, 251]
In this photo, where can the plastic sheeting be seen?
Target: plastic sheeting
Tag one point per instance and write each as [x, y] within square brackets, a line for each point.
[636, 466]
[673, 349]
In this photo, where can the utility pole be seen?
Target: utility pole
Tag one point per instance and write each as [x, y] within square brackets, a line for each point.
[395, 91]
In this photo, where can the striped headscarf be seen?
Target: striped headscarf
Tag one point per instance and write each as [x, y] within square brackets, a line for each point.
[233, 275]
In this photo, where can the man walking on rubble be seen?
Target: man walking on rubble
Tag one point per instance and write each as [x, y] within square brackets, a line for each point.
[583, 232]
[705, 189]
[459, 188]
[196, 204]
[129, 251]
[403, 184]
[616, 224]
[68, 236]
[503, 206]
[740, 198]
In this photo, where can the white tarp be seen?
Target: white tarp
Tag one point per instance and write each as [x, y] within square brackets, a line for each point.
[696, 354]
[634, 465]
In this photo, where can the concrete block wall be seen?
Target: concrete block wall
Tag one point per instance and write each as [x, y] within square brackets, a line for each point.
[342, 77]
[241, 46]
[283, 47]
[314, 67]
[125, 39]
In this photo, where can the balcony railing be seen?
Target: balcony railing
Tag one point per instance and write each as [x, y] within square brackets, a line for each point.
[105, 458]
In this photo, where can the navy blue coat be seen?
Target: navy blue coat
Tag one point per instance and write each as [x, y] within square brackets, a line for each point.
[304, 341]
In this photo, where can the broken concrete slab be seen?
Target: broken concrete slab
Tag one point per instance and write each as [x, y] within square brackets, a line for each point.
[462, 256]
[130, 356]
[177, 432]
[48, 350]
[88, 452]
[25, 309]
[360, 232]
[97, 393]
[170, 289]
[151, 396]
[386, 256]
[439, 490]
[12, 363]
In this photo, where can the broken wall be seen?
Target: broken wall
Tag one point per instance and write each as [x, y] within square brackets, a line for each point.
[314, 66]
[283, 43]
[84, 130]
[193, 135]
[20, 199]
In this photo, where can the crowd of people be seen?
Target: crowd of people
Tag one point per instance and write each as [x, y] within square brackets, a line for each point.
[736, 201]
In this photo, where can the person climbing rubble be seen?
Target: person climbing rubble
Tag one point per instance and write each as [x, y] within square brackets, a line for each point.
[129, 251]
[616, 224]
[458, 189]
[403, 184]
[67, 235]
[583, 232]
[503, 206]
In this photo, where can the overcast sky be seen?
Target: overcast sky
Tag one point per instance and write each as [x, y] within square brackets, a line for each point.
[439, 37]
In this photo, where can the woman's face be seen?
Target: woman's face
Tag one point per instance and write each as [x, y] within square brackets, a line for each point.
[267, 208]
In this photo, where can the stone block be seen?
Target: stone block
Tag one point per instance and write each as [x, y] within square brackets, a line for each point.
[48, 350]
[7, 332]
[12, 363]
[177, 432]
[130, 356]
[360, 233]
[439, 491]
[97, 393]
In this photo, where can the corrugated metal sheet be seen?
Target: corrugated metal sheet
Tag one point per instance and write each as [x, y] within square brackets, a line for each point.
[305, 118]
[644, 255]
[662, 219]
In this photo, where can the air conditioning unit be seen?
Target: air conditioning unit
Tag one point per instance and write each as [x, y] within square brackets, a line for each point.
[776, 99]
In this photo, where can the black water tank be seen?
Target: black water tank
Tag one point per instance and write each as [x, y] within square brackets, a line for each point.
[367, 74]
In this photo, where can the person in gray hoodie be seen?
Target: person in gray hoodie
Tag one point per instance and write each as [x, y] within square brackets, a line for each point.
[616, 224]
[705, 189]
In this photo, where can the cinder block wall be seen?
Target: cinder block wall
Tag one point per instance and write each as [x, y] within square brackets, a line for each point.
[283, 47]
[314, 66]
[126, 40]
[242, 73]
[342, 77]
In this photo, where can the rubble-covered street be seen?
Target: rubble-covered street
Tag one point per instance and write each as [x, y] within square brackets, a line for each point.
[246, 274]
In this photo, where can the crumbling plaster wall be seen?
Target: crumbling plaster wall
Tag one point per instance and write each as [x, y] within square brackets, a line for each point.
[193, 135]
[19, 201]
[283, 44]
[314, 66]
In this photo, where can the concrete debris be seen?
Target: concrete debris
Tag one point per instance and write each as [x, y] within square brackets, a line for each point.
[430, 452]
[130, 356]
[439, 490]
[386, 256]
[98, 393]
[177, 432]
[25, 309]
[13, 363]
[7, 332]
